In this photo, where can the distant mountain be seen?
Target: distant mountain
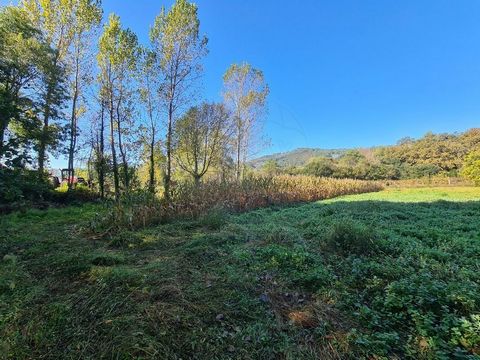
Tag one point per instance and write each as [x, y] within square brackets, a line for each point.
[297, 157]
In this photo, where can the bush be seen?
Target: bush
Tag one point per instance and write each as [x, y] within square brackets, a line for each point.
[20, 186]
[214, 219]
[350, 237]
[133, 210]
[471, 167]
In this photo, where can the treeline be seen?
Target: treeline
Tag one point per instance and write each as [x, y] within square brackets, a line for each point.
[75, 84]
[449, 155]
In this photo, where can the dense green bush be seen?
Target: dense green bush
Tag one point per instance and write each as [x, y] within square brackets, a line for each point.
[20, 185]
[349, 237]
[21, 188]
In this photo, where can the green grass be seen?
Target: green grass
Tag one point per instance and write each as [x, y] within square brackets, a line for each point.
[458, 194]
[390, 275]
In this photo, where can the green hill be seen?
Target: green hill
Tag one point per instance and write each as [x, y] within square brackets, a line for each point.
[297, 157]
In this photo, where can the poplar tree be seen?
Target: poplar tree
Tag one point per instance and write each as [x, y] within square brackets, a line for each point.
[117, 55]
[178, 49]
[245, 94]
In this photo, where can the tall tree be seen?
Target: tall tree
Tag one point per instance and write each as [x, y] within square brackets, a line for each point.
[199, 139]
[245, 94]
[20, 48]
[28, 70]
[66, 25]
[178, 49]
[117, 54]
[87, 17]
[149, 85]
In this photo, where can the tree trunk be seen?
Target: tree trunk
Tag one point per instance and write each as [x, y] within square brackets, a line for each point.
[196, 179]
[101, 170]
[239, 147]
[42, 149]
[73, 125]
[2, 136]
[114, 155]
[152, 165]
[43, 142]
[168, 144]
[120, 144]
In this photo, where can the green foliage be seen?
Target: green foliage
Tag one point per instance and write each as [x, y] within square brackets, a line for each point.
[20, 186]
[199, 137]
[351, 238]
[430, 156]
[262, 285]
[245, 93]
[26, 62]
[271, 168]
[318, 166]
[471, 167]
[214, 219]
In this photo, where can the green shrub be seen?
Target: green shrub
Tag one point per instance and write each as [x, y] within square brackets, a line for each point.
[133, 210]
[467, 334]
[214, 219]
[20, 185]
[350, 237]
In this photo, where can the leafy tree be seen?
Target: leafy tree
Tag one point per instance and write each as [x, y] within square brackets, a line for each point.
[61, 22]
[149, 85]
[88, 15]
[471, 167]
[199, 137]
[271, 167]
[117, 55]
[320, 166]
[245, 93]
[178, 49]
[27, 71]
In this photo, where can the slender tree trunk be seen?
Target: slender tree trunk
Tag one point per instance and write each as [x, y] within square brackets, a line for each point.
[151, 182]
[42, 149]
[43, 139]
[120, 147]
[124, 157]
[239, 148]
[112, 145]
[73, 124]
[152, 165]
[101, 170]
[2, 136]
[4, 122]
[168, 144]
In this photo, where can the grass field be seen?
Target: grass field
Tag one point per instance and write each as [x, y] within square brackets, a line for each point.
[386, 275]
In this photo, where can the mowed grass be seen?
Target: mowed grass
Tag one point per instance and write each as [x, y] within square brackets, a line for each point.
[389, 275]
[458, 194]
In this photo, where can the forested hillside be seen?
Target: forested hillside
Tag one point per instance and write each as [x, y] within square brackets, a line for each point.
[433, 154]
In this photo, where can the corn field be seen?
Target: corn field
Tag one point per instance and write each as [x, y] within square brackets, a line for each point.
[139, 209]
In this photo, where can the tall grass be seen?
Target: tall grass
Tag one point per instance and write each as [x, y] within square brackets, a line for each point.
[189, 200]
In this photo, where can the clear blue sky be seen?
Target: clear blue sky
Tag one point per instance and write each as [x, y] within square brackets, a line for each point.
[343, 73]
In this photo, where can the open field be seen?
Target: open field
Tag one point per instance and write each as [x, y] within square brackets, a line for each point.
[393, 274]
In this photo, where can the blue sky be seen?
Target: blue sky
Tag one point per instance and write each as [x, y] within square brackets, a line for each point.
[343, 73]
